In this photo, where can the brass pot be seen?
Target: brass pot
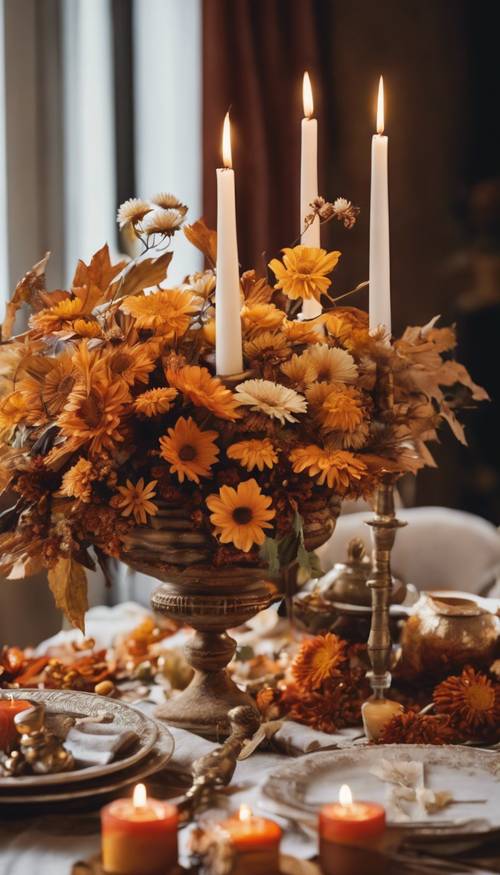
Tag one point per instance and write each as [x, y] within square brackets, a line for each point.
[446, 633]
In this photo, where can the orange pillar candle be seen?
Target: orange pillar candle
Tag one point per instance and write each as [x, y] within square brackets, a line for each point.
[9, 707]
[255, 842]
[350, 835]
[139, 835]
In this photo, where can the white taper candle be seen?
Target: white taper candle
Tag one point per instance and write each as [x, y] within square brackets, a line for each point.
[309, 182]
[380, 276]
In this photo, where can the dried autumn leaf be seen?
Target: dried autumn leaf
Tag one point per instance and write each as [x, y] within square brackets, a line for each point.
[100, 272]
[33, 281]
[68, 584]
[201, 236]
[255, 289]
[139, 275]
[452, 372]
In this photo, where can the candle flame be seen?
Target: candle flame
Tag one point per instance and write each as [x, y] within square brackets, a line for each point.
[226, 143]
[139, 799]
[380, 106]
[345, 795]
[245, 812]
[307, 96]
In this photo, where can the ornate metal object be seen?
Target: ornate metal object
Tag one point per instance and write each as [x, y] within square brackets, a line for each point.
[40, 751]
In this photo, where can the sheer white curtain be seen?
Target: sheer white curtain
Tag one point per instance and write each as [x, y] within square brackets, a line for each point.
[168, 108]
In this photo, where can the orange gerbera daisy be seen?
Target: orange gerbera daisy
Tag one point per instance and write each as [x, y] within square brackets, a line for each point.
[267, 346]
[87, 328]
[132, 364]
[55, 318]
[136, 499]
[318, 660]
[342, 410]
[303, 271]
[93, 414]
[155, 401]
[168, 312]
[472, 701]
[190, 450]
[203, 390]
[77, 482]
[254, 454]
[340, 469]
[239, 516]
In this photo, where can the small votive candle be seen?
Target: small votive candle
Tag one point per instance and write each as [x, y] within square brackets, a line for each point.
[350, 835]
[139, 835]
[255, 842]
[9, 707]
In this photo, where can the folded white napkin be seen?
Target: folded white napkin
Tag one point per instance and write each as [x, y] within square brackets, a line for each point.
[97, 744]
[294, 738]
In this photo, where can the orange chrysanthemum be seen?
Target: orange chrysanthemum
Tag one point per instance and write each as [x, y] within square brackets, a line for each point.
[94, 415]
[266, 346]
[261, 317]
[190, 450]
[57, 317]
[300, 333]
[318, 660]
[203, 390]
[136, 499]
[155, 401]
[239, 516]
[254, 454]
[77, 482]
[13, 409]
[471, 700]
[87, 328]
[132, 364]
[342, 409]
[413, 728]
[340, 469]
[303, 271]
[168, 312]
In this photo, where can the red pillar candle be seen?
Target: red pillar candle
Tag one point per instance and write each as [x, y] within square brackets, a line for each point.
[139, 835]
[9, 707]
[350, 836]
[255, 842]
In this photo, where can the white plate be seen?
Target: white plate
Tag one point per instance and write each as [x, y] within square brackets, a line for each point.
[309, 782]
[156, 759]
[74, 704]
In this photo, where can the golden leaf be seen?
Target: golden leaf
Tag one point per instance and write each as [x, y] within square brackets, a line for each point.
[255, 289]
[201, 236]
[453, 372]
[100, 272]
[32, 282]
[90, 296]
[139, 275]
[68, 584]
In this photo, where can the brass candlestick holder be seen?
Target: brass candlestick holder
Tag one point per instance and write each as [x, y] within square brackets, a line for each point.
[378, 710]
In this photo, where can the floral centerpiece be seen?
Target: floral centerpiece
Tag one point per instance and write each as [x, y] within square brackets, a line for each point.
[110, 412]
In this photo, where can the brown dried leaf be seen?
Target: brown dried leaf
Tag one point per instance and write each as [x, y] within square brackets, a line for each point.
[90, 297]
[455, 425]
[139, 275]
[68, 583]
[201, 236]
[256, 290]
[33, 281]
[453, 372]
[100, 272]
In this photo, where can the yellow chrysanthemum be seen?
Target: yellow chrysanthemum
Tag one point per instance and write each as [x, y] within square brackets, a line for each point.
[93, 414]
[349, 327]
[13, 410]
[254, 454]
[136, 499]
[273, 399]
[261, 317]
[190, 451]
[77, 482]
[203, 390]
[330, 364]
[86, 328]
[55, 318]
[155, 401]
[167, 312]
[342, 410]
[267, 346]
[132, 364]
[338, 468]
[303, 271]
[298, 332]
[239, 516]
[299, 371]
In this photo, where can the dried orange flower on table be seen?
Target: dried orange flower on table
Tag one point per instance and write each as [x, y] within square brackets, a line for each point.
[203, 390]
[414, 728]
[155, 401]
[240, 515]
[303, 271]
[318, 660]
[191, 451]
[136, 499]
[471, 700]
[254, 454]
[168, 311]
[273, 399]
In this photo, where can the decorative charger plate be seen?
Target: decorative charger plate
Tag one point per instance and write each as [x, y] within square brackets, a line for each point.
[155, 760]
[467, 773]
[66, 703]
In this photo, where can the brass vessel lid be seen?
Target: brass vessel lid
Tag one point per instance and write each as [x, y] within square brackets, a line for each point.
[346, 582]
